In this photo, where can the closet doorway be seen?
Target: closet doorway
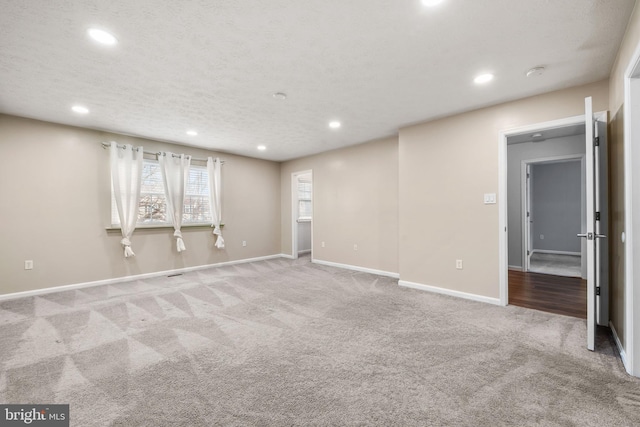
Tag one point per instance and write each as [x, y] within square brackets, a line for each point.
[302, 213]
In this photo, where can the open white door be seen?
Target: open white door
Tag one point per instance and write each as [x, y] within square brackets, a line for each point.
[591, 218]
[596, 213]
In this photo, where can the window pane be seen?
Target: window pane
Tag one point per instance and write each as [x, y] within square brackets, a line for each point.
[153, 207]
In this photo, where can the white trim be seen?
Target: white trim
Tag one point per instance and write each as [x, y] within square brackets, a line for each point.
[306, 251]
[549, 251]
[631, 135]
[525, 207]
[623, 355]
[503, 234]
[287, 256]
[443, 291]
[515, 267]
[357, 268]
[125, 279]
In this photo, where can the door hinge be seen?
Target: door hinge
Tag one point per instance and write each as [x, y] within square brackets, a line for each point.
[597, 216]
[527, 214]
[596, 141]
[528, 175]
[528, 253]
[597, 290]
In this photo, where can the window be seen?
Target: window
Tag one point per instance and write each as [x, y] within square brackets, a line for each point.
[153, 205]
[304, 200]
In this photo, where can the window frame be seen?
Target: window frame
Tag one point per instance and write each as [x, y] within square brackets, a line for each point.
[114, 220]
[304, 218]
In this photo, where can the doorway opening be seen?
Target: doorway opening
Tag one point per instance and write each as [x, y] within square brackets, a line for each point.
[546, 212]
[302, 213]
[553, 214]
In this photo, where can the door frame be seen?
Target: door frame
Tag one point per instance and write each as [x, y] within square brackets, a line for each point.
[631, 351]
[294, 211]
[503, 236]
[526, 200]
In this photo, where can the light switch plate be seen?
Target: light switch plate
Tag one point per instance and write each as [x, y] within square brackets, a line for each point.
[490, 198]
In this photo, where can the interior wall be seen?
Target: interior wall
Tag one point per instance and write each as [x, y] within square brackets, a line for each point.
[557, 206]
[55, 183]
[617, 215]
[445, 168]
[516, 153]
[355, 202]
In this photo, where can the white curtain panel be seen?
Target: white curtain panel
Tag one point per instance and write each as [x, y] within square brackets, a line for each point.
[175, 170]
[126, 177]
[214, 166]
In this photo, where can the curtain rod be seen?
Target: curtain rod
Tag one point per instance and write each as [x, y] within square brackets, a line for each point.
[106, 145]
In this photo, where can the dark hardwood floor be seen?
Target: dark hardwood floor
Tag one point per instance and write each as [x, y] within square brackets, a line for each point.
[554, 294]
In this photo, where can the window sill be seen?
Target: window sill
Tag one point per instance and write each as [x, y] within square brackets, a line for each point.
[161, 227]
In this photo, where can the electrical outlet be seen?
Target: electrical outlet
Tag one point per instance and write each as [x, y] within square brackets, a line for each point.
[459, 264]
[244, 243]
[542, 237]
[322, 244]
[355, 247]
[28, 264]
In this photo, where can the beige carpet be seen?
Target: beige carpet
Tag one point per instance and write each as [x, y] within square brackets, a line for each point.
[280, 343]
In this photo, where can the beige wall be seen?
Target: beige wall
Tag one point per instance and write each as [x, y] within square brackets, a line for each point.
[445, 168]
[55, 206]
[616, 167]
[355, 201]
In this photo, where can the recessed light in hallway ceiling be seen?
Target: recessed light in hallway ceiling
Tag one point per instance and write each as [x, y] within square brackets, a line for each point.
[80, 109]
[334, 124]
[483, 79]
[102, 37]
[192, 133]
[261, 147]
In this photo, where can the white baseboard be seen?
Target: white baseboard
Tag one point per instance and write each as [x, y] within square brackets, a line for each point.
[357, 268]
[623, 354]
[62, 288]
[306, 251]
[549, 251]
[515, 268]
[450, 292]
[286, 256]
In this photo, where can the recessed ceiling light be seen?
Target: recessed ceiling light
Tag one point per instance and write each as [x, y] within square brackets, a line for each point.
[535, 71]
[536, 135]
[335, 124]
[192, 133]
[80, 109]
[483, 78]
[280, 95]
[102, 36]
[261, 147]
[431, 3]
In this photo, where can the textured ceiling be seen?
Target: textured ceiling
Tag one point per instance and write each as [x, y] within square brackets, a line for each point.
[213, 65]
